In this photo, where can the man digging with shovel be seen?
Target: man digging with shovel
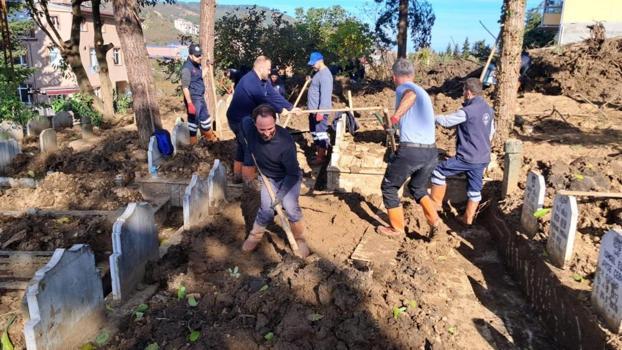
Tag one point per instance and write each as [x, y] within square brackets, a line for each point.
[272, 149]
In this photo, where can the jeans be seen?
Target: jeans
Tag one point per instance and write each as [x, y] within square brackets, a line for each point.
[319, 131]
[409, 162]
[456, 166]
[265, 216]
[201, 119]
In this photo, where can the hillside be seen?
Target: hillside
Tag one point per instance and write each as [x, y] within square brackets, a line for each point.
[159, 20]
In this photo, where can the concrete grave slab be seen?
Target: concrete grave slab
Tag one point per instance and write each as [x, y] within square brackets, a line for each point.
[154, 157]
[376, 249]
[180, 135]
[195, 202]
[532, 201]
[8, 150]
[36, 125]
[62, 119]
[65, 301]
[512, 164]
[15, 130]
[47, 141]
[217, 185]
[562, 230]
[607, 287]
[134, 243]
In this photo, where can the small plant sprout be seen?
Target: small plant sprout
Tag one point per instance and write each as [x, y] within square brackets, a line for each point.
[452, 330]
[102, 338]
[140, 311]
[5, 341]
[315, 317]
[540, 213]
[268, 336]
[153, 346]
[264, 288]
[194, 335]
[234, 272]
[181, 293]
[577, 277]
[412, 305]
[192, 301]
[397, 311]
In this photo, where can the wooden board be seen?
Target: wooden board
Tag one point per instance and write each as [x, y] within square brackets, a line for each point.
[376, 249]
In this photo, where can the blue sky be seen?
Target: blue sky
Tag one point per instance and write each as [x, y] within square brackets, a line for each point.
[454, 18]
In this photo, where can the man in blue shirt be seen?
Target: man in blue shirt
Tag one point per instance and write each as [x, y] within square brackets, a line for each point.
[274, 150]
[194, 89]
[320, 97]
[277, 83]
[416, 156]
[252, 90]
[475, 128]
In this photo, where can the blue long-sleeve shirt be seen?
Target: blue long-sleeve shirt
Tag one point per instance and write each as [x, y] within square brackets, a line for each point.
[249, 93]
[458, 117]
[275, 158]
[321, 90]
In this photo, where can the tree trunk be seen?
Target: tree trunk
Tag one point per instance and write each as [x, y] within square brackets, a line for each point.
[101, 50]
[402, 29]
[505, 104]
[208, 19]
[138, 67]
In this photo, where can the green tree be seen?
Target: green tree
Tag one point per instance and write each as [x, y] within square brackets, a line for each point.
[456, 50]
[448, 51]
[414, 15]
[466, 48]
[536, 36]
[480, 50]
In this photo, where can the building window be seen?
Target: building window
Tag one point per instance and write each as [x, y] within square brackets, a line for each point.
[553, 6]
[56, 59]
[54, 20]
[83, 27]
[116, 56]
[21, 60]
[24, 93]
[94, 64]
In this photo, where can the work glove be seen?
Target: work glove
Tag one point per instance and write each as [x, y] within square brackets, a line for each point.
[319, 117]
[394, 120]
[191, 109]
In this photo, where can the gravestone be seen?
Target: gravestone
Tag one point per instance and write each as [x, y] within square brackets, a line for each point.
[62, 119]
[532, 201]
[36, 125]
[180, 135]
[154, 157]
[607, 287]
[47, 141]
[217, 186]
[134, 243]
[65, 301]
[8, 150]
[13, 129]
[512, 163]
[195, 202]
[562, 230]
[221, 116]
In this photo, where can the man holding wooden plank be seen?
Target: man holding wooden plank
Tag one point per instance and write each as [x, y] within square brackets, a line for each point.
[320, 97]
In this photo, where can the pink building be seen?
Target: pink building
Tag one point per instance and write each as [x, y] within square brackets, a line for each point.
[49, 79]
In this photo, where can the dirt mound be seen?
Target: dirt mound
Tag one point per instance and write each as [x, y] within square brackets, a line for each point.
[589, 70]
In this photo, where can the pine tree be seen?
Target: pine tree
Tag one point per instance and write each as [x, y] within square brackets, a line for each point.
[466, 48]
[456, 51]
[448, 51]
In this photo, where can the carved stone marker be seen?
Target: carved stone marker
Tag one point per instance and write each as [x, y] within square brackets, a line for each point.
[13, 129]
[217, 186]
[532, 201]
[607, 287]
[180, 135]
[195, 202]
[512, 162]
[8, 150]
[134, 243]
[36, 125]
[65, 301]
[154, 157]
[562, 230]
[62, 119]
[47, 141]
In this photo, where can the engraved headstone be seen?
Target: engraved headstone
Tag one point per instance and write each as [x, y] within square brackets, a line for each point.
[8, 150]
[62, 119]
[134, 244]
[195, 202]
[65, 301]
[15, 130]
[154, 157]
[36, 125]
[532, 201]
[607, 287]
[180, 135]
[47, 141]
[221, 116]
[217, 185]
[562, 230]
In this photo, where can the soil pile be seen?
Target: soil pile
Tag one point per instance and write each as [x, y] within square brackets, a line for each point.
[589, 70]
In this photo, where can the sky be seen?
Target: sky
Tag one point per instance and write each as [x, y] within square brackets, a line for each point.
[455, 19]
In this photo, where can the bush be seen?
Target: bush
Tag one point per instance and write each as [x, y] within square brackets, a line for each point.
[80, 104]
[122, 103]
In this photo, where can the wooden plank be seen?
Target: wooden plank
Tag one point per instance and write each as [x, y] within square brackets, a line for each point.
[376, 249]
[591, 194]
[19, 265]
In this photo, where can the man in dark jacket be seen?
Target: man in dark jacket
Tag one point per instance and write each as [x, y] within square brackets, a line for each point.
[475, 128]
[277, 83]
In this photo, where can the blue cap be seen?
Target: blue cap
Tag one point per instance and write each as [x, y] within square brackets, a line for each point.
[315, 56]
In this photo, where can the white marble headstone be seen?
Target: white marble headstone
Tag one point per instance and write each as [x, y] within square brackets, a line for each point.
[47, 141]
[562, 230]
[532, 201]
[607, 287]
[217, 185]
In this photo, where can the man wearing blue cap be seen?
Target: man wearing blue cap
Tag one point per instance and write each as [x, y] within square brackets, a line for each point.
[320, 97]
[194, 89]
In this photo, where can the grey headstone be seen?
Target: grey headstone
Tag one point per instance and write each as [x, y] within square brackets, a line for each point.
[62, 119]
[512, 163]
[15, 130]
[195, 202]
[562, 230]
[65, 301]
[180, 135]
[154, 157]
[47, 141]
[8, 150]
[532, 201]
[221, 113]
[36, 125]
[607, 287]
[134, 243]
[217, 186]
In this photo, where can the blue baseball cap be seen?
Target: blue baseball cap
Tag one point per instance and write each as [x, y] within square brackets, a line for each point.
[315, 56]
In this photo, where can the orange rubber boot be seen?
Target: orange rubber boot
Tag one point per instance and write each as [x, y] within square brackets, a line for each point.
[396, 219]
[429, 210]
[438, 194]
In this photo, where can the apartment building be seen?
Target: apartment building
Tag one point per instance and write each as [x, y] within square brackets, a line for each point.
[571, 18]
[49, 79]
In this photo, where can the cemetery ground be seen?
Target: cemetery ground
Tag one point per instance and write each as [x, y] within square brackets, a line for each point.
[461, 289]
